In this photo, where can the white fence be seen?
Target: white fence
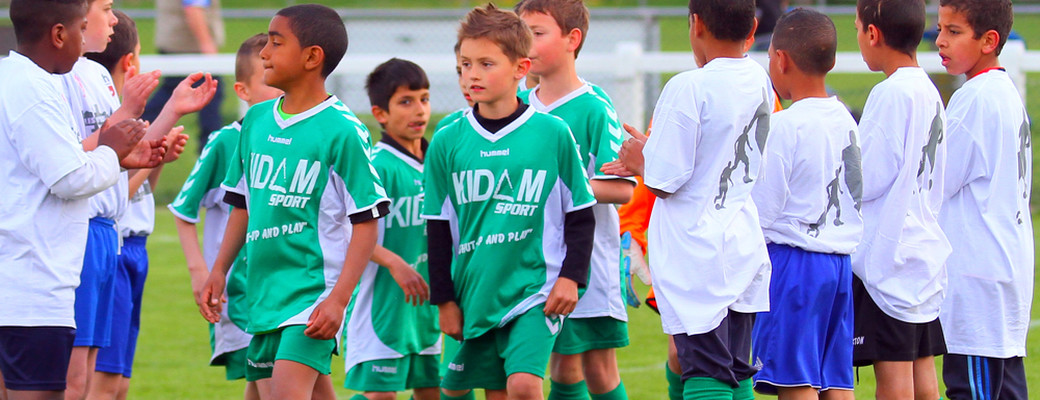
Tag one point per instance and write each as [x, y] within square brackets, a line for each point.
[622, 71]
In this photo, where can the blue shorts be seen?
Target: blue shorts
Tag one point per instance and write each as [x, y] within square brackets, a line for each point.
[126, 317]
[95, 293]
[35, 357]
[806, 337]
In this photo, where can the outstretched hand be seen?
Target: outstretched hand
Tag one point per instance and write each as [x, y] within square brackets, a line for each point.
[187, 98]
[175, 142]
[137, 89]
[416, 291]
[630, 157]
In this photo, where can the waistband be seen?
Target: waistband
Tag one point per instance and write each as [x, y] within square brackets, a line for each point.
[103, 221]
[135, 240]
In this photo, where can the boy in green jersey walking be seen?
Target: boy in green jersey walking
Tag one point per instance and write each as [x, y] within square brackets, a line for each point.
[306, 202]
[510, 223]
[392, 338]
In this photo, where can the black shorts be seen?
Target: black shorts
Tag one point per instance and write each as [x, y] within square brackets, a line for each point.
[974, 377]
[879, 337]
[723, 353]
[35, 358]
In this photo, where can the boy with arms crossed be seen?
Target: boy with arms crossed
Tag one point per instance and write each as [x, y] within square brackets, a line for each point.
[393, 341]
[709, 263]
[808, 203]
[900, 264]
[585, 347]
[985, 316]
[306, 199]
[510, 223]
[202, 189]
[49, 178]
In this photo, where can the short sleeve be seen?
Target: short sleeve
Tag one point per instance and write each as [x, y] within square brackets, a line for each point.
[46, 142]
[205, 176]
[235, 179]
[573, 174]
[670, 152]
[436, 204]
[364, 190]
[606, 140]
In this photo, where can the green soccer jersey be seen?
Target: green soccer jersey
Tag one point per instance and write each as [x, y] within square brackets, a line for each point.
[598, 133]
[382, 325]
[448, 119]
[202, 190]
[302, 178]
[505, 195]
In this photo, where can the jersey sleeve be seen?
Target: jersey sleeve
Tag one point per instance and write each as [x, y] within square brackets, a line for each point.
[965, 157]
[365, 196]
[772, 190]
[670, 152]
[606, 139]
[436, 204]
[45, 146]
[882, 147]
[235, 179]
[572, 173]
[205, 176]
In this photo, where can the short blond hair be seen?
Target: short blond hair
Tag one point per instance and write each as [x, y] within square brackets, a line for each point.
[503, 27]
[568, 14]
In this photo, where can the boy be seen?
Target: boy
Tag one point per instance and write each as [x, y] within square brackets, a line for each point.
[457, 114]
[584, 350]
[709, 262]
[49, 178]
[899, 265]
[301, 189]
[808, 204]
[228, 339]
[393, 341]
[505, 187]
[985, 316]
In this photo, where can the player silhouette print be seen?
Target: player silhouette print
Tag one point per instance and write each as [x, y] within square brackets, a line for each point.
[850, 164]
[741, 148]
[935, 136]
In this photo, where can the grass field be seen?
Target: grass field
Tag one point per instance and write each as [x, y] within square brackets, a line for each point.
[173, 350]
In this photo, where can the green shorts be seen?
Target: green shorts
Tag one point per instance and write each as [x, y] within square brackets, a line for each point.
[449, 347]
[487, 361]
[583, 334]
[395, 374]
[234, 364]
[288, 343]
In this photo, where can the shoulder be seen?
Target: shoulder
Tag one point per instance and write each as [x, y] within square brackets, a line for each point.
[258, 111]
[548, 122]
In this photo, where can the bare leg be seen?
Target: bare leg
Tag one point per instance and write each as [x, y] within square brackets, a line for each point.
[124, 388]
[601, 370]
[895, 380]
[837, 394]
[35, 395]
[493, 394]
[263, 388]
[797, 393]
[523, 386]
[673, 357]
[926, 382]
[381, 395]
[252, 393]
[428, 393]
[104, 386]
[292, 380]
[323, 389]
[565, 368]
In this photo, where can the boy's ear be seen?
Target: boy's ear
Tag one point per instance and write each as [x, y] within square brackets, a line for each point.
[59, 36]
[242, 91]
[523, 66]
[783, 61]
[751, 35]
[125, 62]
[874, 36]
[990, 41]
[380, 115]
[314, 58]
[573, 40]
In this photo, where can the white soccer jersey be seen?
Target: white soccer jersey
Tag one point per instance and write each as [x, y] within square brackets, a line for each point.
[706, 248]
[139, 218]
[93, 99]
[809, 192]
[986, 217]
[902, 257]
[43, 235]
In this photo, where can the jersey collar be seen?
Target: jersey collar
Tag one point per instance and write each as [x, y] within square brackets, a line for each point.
[285, 123]
[494, 137]
[535, 102]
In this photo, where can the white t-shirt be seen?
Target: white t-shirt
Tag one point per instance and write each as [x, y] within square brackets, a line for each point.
[43, 236]
[93, 99]
[707, 253]
[986, 218]
[809, 192]
[139, 219]
[903, 254]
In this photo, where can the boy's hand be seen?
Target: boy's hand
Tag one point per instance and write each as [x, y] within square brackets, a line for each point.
[563, 297]
[213, 297]
[630, 158]
[416, 291]
[187, 99]
[326, 320]
[123, 136]
[199, 276]
[147, 154]
[176, 140]
[137, 89]
[451, 319]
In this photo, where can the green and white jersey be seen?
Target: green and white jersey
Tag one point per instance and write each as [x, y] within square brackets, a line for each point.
[454, 116]
[598, 133]
[202, 190]
[505, 195]
[302, 178]
[393, 328]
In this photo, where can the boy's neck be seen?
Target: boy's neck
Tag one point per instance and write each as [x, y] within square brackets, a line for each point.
[806, 86]
[412, 146]
[556, 84]
[894, 59]
[307, 94]
[42, 56]
[714, 48]
[500, 108]
[985, 63]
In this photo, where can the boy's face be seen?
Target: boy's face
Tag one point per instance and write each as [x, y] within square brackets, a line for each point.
[462, 84]
[696, 31]
[865, 48]
[487, 73]
[72, 45]
[100, 20]
[550, 47]
[283, 58]
[776, 75]
[959, 49]
[407, 115]
[257, 90]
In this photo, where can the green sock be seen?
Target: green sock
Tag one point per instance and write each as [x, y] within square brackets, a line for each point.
[746, 391]
[359, 396]
[675, 385]
[618, 393]
[701, 388]
[563, 391]
[468, 396]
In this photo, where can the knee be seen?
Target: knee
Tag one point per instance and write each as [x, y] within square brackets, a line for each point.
[566, 368]
[523, 386]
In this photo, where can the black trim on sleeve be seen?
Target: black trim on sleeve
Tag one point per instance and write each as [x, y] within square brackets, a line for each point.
[379, 211]
[579, 229]
[235, 200]
[438, 239]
